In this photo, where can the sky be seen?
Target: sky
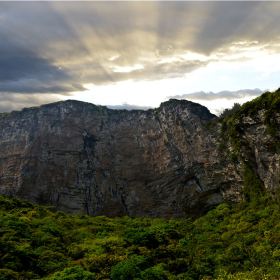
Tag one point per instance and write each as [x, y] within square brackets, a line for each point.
[138, 54]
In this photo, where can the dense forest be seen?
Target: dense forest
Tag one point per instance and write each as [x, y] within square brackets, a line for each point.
[240, 241]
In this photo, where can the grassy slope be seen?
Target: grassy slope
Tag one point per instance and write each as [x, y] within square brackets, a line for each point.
[230, 242]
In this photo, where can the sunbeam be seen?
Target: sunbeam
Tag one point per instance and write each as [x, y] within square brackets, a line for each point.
[123, 48]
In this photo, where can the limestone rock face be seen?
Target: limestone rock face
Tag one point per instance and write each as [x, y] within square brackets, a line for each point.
[261, 148]
[89, 159]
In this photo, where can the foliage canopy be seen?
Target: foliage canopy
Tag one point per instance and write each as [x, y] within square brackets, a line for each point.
[229, 242]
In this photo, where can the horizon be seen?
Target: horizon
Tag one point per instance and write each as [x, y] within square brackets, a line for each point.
[128, 107]
[138, 54]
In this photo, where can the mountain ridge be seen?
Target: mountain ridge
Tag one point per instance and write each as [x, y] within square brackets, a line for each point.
[168, 103]
[175, 160]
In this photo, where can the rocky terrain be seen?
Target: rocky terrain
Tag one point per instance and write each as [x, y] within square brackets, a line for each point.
[176, 160]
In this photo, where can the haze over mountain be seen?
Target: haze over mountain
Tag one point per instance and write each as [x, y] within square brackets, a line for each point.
[208, 99]
[217, 102]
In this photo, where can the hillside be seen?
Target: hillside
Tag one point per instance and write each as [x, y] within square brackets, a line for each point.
[238, 239]
[231, 242]
[173, 161]
[250, 137]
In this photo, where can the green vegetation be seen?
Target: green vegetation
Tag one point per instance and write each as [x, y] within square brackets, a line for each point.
[269, 101]
[232, 123]
[236, 145]
[252, 184]
[3, 115]
[230, 242]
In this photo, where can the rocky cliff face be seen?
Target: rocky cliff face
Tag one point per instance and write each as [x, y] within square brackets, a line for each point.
[253, 143]
[163, 162]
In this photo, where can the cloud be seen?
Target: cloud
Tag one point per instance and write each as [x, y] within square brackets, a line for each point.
[17, 101]
[218, 102]
[128, 107]
[24, 71]
[78, 39]
[229, 95]
[19, 63]
[58, 47]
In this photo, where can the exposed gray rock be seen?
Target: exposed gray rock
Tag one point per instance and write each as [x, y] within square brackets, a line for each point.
[162, 162]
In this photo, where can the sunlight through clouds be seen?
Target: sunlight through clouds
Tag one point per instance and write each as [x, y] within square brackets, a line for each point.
[137, 53]
[232, 68]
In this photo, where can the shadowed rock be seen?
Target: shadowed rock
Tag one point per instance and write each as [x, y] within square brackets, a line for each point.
[89, 159]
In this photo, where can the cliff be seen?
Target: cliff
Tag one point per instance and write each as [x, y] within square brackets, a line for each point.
[175, 160]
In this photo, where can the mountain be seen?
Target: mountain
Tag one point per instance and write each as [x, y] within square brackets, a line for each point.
[176, 160]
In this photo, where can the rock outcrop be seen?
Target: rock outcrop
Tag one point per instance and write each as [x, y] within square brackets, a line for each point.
[162, 162]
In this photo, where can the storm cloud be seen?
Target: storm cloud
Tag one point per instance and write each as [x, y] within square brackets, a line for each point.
[59, 47]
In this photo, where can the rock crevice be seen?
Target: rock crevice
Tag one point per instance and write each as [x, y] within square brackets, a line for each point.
[89, 159]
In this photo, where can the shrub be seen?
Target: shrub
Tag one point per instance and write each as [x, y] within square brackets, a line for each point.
[72, 273]
[128, 269]
[8, 274]
[154, 273]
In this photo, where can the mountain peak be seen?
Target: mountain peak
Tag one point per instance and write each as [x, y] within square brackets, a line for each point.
[194, 108]
[167, 162]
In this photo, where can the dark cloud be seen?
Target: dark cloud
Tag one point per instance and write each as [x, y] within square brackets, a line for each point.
[34, 86]
[24, 71]
[19, 63]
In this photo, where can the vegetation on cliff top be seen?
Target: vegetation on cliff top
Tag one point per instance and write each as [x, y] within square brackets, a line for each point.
[230, 242]
[231, 119]
[235, 144]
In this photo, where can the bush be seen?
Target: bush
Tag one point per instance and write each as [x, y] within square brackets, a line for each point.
[142, 237]
[154, 273]
[72, 273]
[241, 240]
[8, 274]
[128, 269]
